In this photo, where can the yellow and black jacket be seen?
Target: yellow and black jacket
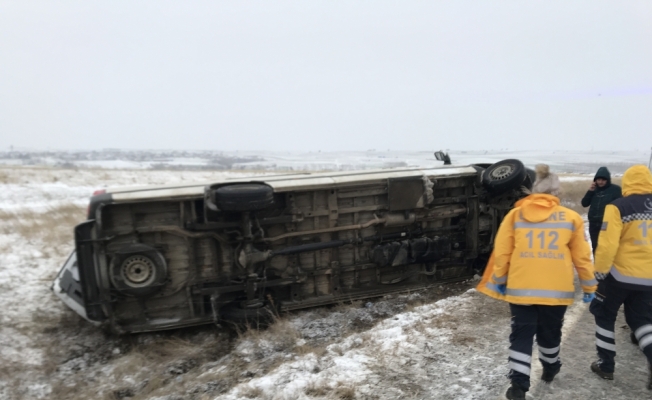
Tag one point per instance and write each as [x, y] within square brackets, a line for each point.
[625, 243]
[536, 247]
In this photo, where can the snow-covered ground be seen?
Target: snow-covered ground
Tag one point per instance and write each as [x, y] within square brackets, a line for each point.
[38, 210]
[584, 162]
[448, 342]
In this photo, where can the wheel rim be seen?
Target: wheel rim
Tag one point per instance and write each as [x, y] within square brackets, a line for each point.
[138, 271]
[502, 172]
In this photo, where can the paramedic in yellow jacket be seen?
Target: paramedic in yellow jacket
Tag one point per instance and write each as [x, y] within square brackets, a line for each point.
[536, 247]
[623, 265]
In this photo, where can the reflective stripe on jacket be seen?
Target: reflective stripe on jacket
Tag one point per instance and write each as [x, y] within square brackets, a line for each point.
[536, 247]
[625, 242]
[486, 286]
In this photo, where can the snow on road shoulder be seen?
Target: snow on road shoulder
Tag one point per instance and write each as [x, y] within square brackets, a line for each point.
[437, 349]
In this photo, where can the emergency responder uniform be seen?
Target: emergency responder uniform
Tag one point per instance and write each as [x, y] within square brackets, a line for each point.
[623, 265]
[597, 200]
[536, 247]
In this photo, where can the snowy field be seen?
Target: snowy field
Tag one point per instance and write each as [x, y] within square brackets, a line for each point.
[583, 162]
[448, 342]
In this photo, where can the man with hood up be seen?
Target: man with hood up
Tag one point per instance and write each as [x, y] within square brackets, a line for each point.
[623, 265]
[601, 193]
[536, 247]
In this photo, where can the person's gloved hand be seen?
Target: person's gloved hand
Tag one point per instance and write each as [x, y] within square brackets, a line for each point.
[502, 289]
[588, 297]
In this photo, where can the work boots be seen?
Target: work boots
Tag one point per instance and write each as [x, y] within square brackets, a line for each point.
[515, 393]
[595, 367]
[548, 376]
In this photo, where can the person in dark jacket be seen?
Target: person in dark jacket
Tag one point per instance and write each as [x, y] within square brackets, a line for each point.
[601, 193]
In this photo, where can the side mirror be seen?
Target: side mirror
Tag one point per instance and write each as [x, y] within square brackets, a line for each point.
[441, 156]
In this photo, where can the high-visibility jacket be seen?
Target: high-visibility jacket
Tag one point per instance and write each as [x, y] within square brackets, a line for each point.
[486, 286]
[536, 247]
[625, 242]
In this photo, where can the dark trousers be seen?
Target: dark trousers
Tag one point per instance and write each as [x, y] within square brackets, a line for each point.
[543, 321]
[594, 233]
[638, 314]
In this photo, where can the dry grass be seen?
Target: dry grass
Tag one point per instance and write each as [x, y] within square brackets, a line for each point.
[100, 177]
[53, 227]
[316, 389]
[171, 364]
[281, 335]
[317, 350]
[24, 175]
[152, 365]
[337, 349]
[4, 177]
[338, 391]
[344, 392]
[251, 392]
[51, 235]
[572, 193]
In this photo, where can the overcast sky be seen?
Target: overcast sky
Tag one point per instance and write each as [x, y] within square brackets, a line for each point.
[326, 75]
